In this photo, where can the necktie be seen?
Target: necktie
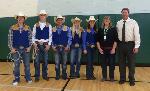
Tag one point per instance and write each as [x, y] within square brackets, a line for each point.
[123, 31]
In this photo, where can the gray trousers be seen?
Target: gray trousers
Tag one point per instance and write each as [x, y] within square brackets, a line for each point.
[125, 50]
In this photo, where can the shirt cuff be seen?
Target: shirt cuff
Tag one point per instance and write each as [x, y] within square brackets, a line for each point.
[137, 46]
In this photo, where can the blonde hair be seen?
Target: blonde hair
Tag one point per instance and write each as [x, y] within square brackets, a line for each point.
[106, 18]
[80, 29]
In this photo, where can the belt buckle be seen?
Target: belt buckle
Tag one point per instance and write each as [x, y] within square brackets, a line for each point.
[76, 45]
[41, 43]
[21, 47]
[92, 46]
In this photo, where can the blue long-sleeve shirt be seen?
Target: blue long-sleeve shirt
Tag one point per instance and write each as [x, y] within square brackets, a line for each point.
[88, 38]
[58, 31]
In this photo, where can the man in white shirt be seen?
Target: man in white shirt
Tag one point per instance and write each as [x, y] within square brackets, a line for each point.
[42, 38]
[128, 45]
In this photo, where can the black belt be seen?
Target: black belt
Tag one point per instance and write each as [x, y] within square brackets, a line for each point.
[126, 41]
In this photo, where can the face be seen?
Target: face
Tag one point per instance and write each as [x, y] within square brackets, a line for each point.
[21, 19]
[59, 21]
[42, 17]
[76, 23]
[125, 14]
[106, 22]
[92, 23]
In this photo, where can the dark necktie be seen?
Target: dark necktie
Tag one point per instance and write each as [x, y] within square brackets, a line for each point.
[123, 31]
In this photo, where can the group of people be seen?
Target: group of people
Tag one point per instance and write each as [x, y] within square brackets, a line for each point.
[63, 39]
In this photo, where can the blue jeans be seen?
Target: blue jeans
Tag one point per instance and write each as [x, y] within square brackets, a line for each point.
[90, 59]
[60, 57]
[26, 60]
[75, 60]
[107, 59]
[41, 55]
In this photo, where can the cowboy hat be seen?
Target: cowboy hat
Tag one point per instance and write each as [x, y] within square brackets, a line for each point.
[91, 18]
[59, 17]
[76, 19]
[43, 12]
[20, 14]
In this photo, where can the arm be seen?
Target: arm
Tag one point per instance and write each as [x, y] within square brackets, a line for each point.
[34, 34]
[137, 35]
[10, 39]
[50, 35]
[84, 39]
[69, 37]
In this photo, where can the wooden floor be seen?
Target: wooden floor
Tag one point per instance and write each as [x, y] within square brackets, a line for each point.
[81, 84]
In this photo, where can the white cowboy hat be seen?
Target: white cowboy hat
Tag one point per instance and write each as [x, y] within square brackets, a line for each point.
[91, 18]
[59, 17]
[20, 14]
[76, 19]
[43, 12]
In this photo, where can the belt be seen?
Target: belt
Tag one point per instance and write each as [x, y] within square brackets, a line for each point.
[91, 46]
[106, 47]
[60, 46]
[76, 45]
[126, 41]
[41, 43]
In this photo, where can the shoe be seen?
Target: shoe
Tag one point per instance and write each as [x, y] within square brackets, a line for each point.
[93, 77]
[103, 79]
[112, 79]
[29, 82]
[64, 77]
[15, 82]
[57, 77]
[121, 82]
[36, 79]
[46, 78]
[132, 83]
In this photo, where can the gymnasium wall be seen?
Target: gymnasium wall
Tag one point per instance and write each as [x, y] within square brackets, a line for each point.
[71, 9]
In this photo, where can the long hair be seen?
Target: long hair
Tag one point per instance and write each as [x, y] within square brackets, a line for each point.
[95, 27]
[106, 18]
[80, 29]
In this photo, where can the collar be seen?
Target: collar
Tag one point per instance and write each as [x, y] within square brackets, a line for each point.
[126, 20]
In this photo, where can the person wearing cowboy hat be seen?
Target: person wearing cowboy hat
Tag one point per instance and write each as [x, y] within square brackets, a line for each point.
[20, 41]
[76, 46]
[42, 38]
[61, 41]
[89, 43]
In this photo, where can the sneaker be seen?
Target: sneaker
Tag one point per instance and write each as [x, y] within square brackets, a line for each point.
[15, 83]
[29, 82]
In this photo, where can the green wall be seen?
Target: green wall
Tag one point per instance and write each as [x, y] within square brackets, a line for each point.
[142, 19]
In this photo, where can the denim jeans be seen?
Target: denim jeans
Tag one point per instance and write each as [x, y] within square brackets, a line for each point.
[90, 59]
[60, 57]
[41, 55]
[26, 60]
[75, 60]
[107, 59]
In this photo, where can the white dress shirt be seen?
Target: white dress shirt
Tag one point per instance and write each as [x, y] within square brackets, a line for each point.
[42, 25]
[131, 31]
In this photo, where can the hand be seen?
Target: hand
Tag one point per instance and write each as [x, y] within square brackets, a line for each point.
[47, 47]
[135, 50]
[35, 46]
[85, 51]
[28, 49]
[13, 50]
[66, 49]
[112, 51]
[54, 49]
[101, 51]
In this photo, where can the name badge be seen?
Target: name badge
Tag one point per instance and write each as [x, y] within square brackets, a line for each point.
[104, 37]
